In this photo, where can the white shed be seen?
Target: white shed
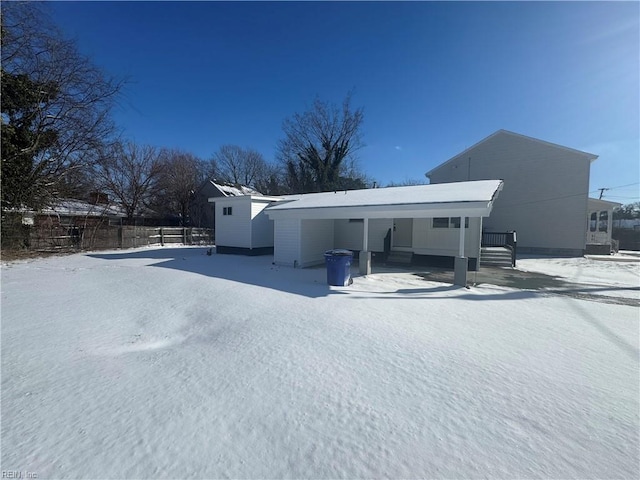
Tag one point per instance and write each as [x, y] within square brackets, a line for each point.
[242, 225]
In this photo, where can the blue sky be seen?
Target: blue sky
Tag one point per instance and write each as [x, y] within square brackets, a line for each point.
[433, 78]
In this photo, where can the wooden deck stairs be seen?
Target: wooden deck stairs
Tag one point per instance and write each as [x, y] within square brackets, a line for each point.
[495, 257]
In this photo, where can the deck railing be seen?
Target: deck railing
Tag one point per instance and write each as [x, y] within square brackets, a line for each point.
[387, 244]
[501, 239]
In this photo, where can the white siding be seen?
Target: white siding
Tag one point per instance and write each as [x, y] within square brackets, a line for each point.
[316, 238]
[349, 234]
[234, 230]
[425, 240]
[545, 189]
[378, 228]
[261, 226]
[286, 249]
[445, 241]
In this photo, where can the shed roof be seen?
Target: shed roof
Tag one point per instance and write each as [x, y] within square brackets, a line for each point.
[444, 199]
[214, 188]
[244, 198]
[230, 190]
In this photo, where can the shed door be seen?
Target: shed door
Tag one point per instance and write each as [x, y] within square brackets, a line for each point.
[402, 232]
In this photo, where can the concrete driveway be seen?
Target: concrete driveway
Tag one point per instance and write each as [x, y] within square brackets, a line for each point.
[546, 284]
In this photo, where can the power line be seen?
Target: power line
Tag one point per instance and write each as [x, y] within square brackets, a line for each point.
[622, 186]
[550, 199]
[602, 190]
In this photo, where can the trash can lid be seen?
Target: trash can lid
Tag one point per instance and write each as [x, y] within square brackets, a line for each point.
[338, 252]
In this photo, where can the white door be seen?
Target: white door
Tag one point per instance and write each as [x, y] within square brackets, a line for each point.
[402, 232]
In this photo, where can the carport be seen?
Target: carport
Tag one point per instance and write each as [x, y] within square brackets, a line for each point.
[305, 225]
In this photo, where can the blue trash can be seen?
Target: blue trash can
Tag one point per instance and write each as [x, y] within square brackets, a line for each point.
[338, 267]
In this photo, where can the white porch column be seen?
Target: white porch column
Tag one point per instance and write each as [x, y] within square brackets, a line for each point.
[365, 254]
[461, 247]
[365, 239]
[461, 264]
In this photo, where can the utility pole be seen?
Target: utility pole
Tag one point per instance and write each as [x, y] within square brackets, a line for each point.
[602, 190]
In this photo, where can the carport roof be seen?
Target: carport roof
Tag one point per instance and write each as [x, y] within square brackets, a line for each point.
[443, 199]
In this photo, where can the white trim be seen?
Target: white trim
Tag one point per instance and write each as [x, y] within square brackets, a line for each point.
[454, 209]
[602, 204]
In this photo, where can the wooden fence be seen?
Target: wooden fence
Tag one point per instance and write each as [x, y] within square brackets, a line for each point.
[59, 237]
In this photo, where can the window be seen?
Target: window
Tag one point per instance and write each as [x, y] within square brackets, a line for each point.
[227, 210]
[593, 222]
[441, 222]
[455, 222]
[445, 222]
[603, 225]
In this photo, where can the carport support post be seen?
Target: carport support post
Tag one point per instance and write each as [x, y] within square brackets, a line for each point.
[461, 262]
[365, 255]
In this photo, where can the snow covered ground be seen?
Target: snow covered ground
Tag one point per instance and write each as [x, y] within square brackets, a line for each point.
[168, 363]
[611, 275]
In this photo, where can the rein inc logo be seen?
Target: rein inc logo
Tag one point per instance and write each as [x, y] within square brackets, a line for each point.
[18, 474]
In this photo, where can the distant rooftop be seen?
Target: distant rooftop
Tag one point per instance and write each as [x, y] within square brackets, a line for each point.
[231, 190]
[80, 208]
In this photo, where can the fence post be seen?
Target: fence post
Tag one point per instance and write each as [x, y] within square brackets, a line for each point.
[184, 236]
[161, 238]
[120, 237]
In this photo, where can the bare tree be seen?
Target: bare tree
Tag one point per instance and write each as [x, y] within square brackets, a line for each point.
[318, 145]
[211, 170]
[241, 166]
[55, 108]
[407, 182]
[272, 182]
[181, 174]
[130, 173]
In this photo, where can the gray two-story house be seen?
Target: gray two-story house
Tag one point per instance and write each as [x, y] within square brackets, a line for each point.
[545, 197]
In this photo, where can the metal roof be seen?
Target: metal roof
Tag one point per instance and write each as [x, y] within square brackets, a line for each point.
[444, 199]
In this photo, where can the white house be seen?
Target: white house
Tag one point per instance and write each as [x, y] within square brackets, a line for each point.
[202, 206]
[421, 220]
[545, 196]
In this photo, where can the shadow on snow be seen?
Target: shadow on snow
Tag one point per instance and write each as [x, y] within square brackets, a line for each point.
[257, 270]
[311, 282]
